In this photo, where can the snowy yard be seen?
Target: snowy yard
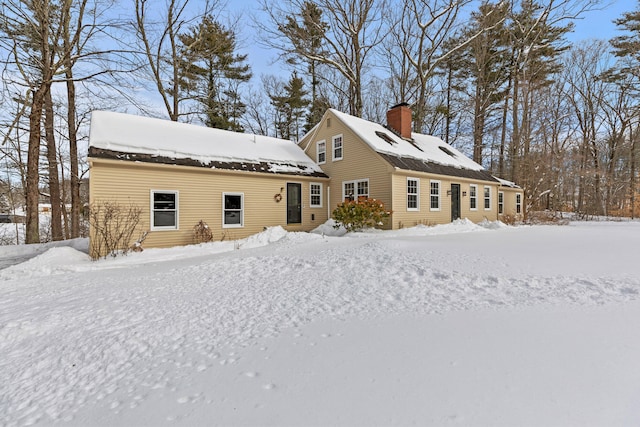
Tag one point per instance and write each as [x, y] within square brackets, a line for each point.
[451, 325]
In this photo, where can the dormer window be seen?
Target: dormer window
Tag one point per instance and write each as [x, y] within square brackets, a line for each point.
[447, 151]
[386, 137]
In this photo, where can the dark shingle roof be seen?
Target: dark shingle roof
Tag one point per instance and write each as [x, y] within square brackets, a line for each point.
[270, 167]
[412, 164]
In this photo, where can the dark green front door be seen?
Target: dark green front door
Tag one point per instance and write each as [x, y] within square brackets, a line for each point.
[455, 201]
[294, 203]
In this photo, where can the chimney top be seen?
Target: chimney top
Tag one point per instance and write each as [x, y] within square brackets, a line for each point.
[399, 119]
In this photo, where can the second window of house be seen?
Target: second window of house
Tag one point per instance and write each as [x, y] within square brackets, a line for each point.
[353, 190]
[487, 198]
[164, 215]
[500, 202]
[413, 194]
[435, 195]
[315, 194]
[473, 197]
[322, 151]
[232, 210]
[337, 147]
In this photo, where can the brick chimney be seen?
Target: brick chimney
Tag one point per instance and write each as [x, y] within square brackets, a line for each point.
[399, 119]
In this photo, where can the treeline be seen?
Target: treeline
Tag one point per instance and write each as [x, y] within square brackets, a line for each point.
[497, 79]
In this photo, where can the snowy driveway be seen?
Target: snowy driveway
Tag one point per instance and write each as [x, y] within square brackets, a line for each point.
[512, 326]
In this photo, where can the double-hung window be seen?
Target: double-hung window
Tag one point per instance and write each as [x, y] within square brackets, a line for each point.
[500, 202]
[315, 195]
[354, 190]
[473, 197]
[518, 203]
[487, 198]
[164, 210]
[232, 210]
[321, 151]
[337, 147]
[434, 195]
[413, 194]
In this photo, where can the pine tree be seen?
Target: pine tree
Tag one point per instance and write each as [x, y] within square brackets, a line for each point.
[536, 45]
[307, 37]
[211, 72]
[291, 107]
[486, 59]
[628, 45]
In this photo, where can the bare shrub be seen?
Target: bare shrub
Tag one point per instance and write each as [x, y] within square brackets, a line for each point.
[112, 226]
[546, 217]
[202, 233]
[508, 219]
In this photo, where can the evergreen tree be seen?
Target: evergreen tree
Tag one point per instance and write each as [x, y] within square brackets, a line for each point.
[486, 59]
[291, 107]
[626, 76]
[627, 46]
[307, 36]
[211, 71]
[536, 45]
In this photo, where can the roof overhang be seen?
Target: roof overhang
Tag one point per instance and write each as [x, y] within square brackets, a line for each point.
[277, 168]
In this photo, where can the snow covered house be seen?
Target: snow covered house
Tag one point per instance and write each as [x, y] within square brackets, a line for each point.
[180, 174]
[420, 178]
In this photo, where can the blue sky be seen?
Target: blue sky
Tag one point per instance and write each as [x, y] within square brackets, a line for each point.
[599, 24]
[594, 24]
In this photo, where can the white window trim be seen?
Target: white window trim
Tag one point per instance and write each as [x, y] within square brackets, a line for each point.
[318, 152]
[501, 204]
[151, 210]
[484, 198]
[355, 188]
[333, 147]
[439, 195]
[417, 194]
[311, 184]
[231, 193]
[518, 203]
[473, 197]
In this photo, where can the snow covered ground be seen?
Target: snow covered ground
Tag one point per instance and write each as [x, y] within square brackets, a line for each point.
[460, 324]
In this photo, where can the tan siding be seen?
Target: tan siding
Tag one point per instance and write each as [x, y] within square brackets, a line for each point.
[389, 185]
[403, 218]
[359, 162]
[200, 197]
[510, 202]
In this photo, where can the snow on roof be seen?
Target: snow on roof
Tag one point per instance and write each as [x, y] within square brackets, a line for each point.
[506, 183]
[424, 147]
[125, 133]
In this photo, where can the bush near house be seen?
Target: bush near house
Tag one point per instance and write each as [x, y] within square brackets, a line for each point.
[202, 233]
[355, 215]
[113, 226]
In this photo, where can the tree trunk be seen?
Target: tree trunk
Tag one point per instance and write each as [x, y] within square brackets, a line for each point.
[632, 170]
[72, 127]
[32, 223]
[52, 161]
[478, 125]
[503, 134]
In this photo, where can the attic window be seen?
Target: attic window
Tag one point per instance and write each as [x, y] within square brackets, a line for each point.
[447, 151]
[385, 137]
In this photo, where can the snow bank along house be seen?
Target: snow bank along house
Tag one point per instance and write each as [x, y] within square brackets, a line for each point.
[238, 183]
